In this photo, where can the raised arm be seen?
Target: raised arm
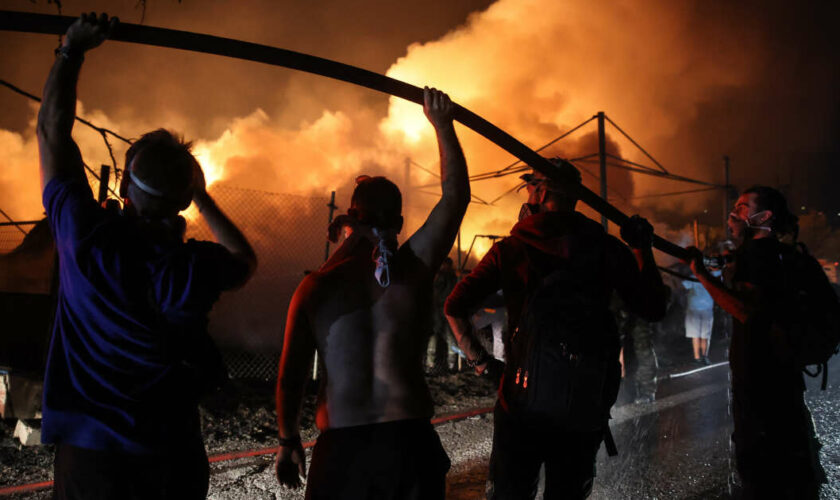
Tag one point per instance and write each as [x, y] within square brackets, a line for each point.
[59, 154]
[295, 362]
[432, 242]
[224, 230]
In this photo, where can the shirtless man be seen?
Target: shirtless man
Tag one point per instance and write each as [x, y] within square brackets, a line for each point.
[367, 312]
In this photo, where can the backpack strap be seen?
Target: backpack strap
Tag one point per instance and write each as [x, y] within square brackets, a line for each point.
[822, 368]
[609, 441]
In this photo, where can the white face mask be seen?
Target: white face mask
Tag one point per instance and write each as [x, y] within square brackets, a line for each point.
[748, 220]
[382, 255]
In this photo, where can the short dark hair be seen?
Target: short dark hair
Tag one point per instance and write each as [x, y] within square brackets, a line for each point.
[163, 161]
[767, 198]
[566, 170]
[376, 201]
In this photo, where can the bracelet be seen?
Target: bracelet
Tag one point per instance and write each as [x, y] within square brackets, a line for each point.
[485, 357]
[69, 54]
[292, 441]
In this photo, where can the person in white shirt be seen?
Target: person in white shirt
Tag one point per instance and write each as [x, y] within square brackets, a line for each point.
[699, 319]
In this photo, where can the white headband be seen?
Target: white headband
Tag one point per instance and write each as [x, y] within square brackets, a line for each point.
[145, 187]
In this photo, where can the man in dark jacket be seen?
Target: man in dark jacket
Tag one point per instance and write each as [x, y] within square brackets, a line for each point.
[776, 449]
[551, 238]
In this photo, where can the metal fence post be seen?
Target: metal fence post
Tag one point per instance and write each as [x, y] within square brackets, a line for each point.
[104, 178]
[726, 193]
[333, 207]
[602, 158]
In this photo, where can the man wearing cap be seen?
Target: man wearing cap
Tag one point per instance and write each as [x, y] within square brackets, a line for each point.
[555, 248]
[130, 353]
[368, 312]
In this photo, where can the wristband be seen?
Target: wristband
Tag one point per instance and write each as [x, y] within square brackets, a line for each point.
[483, 358]
[69, 53]
[290, 442]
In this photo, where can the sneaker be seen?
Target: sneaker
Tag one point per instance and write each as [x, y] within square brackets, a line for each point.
[649, 398]
[698, 361]
[706, 360]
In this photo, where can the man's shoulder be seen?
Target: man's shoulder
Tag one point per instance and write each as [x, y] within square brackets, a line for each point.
[320, 284]
[112, 235]
[60, 184]
[71, 210]
[762, 248]
[193, 246]
[756, 259]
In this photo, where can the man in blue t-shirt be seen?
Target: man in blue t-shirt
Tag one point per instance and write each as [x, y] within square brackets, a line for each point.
[130, 353]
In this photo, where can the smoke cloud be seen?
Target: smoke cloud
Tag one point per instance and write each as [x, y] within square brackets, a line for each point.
[689, 81]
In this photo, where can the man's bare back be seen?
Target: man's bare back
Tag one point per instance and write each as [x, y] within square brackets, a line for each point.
[371, 339]
[367, 312]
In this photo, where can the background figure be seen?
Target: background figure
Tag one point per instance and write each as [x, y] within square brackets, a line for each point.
[440, 357]
[492, 316]
[699, 319]
[639, 334]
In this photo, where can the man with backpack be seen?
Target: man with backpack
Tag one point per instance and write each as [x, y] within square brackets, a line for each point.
[557, 272]
[785, 317]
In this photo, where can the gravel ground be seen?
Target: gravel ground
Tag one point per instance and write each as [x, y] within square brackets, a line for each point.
[675, 448]
[240, 417]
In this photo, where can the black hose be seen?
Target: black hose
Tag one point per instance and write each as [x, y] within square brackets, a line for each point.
[196, 42]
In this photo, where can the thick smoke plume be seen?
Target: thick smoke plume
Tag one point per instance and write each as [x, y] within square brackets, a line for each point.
[690, 81]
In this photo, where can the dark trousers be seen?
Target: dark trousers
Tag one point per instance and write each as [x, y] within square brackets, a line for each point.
[778, 455]
[770, 467]
[762, 477]
[400, 460]
[520, 448]
[105, 475]
[645, 376]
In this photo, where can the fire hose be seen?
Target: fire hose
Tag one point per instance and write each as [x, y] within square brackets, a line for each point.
[228, 456]
[238, 49]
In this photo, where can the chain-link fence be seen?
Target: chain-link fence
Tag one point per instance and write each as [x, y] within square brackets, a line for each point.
[288, 233]
[11, 235]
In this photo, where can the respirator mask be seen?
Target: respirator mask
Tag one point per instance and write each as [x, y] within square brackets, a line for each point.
[748, 221]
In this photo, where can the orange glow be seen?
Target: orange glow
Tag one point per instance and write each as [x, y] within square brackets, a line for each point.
[406, 118]
[213, 170]
[535, 68]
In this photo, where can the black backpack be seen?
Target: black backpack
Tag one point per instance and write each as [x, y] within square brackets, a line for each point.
[813, 323]
[562, 359]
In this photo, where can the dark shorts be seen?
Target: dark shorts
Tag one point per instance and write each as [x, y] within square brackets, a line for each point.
[104, 475]
[519, 449]
[400, 460]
